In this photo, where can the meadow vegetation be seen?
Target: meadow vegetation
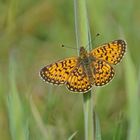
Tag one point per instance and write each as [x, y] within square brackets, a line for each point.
[31, 35]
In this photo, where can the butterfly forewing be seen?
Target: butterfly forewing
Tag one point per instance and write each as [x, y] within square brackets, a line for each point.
[110, 52]
[58, 73]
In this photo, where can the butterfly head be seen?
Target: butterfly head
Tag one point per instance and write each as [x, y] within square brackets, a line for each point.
[83, 52]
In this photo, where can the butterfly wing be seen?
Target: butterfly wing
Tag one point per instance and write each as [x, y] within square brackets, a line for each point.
[58, 73]
[78, 80]
[103, 72]
[110, 52]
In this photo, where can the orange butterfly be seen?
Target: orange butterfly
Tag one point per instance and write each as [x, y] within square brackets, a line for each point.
[79, 74]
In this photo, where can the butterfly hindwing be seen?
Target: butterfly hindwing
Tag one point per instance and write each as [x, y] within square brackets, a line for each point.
[103, 72]
[78, 80]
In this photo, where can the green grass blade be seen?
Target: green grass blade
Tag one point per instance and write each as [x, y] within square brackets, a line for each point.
[72, 136]
[17, 121]
[82, 38]
[97, 127]
[88, 115]
[39, 122]
[133, 99]
[119, 128]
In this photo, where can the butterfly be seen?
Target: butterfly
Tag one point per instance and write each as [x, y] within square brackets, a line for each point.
[81, 73]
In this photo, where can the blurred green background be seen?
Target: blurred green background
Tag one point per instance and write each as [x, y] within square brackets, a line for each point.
[31, 35]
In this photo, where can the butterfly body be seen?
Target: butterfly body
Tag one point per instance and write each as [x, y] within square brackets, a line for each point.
[79, 74]
[85, 60]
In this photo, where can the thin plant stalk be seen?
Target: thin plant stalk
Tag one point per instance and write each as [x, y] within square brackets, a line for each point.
[82, 38]
[18, 123]
[133, 99]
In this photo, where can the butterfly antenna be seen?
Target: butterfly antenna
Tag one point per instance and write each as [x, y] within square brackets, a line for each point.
[92, 41]
[64, 46]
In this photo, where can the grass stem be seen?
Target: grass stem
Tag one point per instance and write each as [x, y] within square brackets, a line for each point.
[82, 38]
